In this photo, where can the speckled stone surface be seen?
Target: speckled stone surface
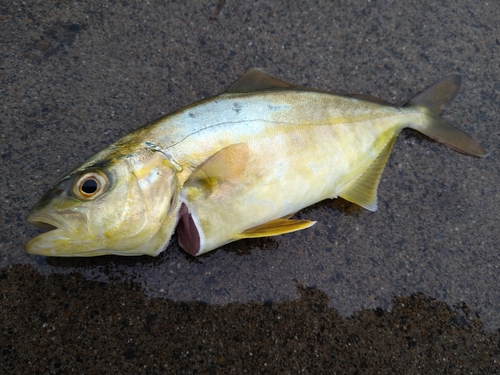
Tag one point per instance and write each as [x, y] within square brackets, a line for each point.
[64, 324]
[412, 288]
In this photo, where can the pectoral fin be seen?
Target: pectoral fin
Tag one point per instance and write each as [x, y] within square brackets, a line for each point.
[225, 166]
[363, 190]
[275, 228]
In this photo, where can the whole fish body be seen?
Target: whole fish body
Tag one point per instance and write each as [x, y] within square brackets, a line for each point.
[237, 165]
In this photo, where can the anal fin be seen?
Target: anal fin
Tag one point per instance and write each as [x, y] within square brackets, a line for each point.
[275, 228]
[363, 190]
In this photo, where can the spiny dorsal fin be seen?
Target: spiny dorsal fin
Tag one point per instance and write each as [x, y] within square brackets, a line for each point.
[275, 228]
[363, 190]
[226, 165]
[256, 80]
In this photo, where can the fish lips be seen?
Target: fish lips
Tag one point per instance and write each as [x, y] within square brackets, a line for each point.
[54, 242]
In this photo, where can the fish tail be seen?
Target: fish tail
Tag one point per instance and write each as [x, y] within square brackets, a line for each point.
[431, 103]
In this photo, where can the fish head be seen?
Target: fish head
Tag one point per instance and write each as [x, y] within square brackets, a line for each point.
[115, 203]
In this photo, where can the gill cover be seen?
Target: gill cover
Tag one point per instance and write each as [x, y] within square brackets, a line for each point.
[157, 188]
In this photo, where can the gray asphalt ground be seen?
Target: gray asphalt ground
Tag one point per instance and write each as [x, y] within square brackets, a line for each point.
[410, 289]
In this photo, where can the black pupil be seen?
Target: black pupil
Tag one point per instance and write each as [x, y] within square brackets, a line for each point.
[89, 186]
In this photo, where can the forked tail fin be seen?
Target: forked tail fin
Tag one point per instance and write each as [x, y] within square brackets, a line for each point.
[431, 102]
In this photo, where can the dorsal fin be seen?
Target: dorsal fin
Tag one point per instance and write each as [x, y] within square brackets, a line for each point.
[255, 80]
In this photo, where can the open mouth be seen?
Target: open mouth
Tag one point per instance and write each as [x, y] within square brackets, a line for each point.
[42, 222]
[47, 243]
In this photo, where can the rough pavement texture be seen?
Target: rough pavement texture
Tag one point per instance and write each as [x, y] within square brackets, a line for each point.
[66, 325]
[412, 288]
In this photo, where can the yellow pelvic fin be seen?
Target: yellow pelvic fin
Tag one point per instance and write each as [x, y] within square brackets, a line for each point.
[275, 228]
[227, 165]
[288, 216]
[363, 190]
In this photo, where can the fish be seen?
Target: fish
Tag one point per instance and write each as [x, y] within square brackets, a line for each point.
[233, 166]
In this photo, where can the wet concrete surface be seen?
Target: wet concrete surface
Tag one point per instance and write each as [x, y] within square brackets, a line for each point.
[412, 288]
[113, 328]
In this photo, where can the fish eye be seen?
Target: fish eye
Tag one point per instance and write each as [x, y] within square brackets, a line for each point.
[90, 185]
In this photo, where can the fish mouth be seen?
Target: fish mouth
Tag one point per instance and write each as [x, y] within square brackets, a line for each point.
[51, 242]
[42, 221]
